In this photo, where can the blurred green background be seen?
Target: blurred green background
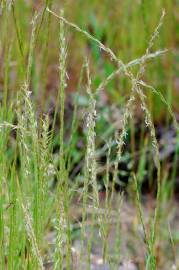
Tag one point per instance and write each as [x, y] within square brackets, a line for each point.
[123, 25]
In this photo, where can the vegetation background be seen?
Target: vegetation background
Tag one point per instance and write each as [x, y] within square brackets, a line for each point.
[89, 179]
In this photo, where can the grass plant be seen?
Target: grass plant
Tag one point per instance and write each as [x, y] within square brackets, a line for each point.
[37, 153]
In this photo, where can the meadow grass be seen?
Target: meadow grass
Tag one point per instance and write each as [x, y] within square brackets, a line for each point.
[37, 193]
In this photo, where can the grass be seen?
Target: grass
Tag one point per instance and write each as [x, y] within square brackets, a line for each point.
[39, 151]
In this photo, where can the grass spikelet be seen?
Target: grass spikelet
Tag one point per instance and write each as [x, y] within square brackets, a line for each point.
[32, 46]
[22, 116]
[46, 167]
[60, 227]
[63, 192]
[149, 47]
[121, 139]
[32, 238]
[91, 165]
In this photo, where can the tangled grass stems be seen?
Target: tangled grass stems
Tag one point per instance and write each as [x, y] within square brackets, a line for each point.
[35, 147]
[148, 120]
[31, 234]
[77, 28]
[29, 152]
[162, 98]
[108, 50]
[28, 138]
[130, 64]
[151, 260]
[175, 123]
